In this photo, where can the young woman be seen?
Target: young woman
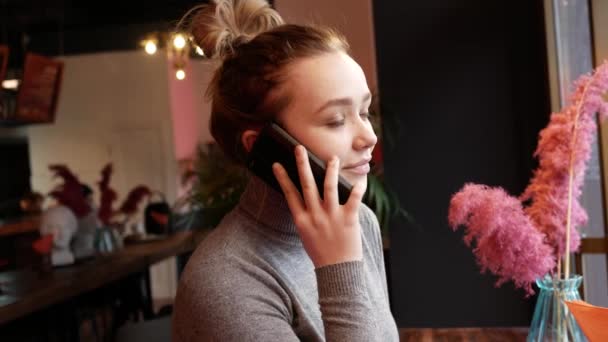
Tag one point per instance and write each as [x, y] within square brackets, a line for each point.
[287, 266]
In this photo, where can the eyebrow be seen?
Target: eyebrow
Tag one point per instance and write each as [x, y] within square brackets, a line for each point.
[343, 101]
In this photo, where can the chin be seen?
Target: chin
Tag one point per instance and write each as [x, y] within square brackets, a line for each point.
[354, 179]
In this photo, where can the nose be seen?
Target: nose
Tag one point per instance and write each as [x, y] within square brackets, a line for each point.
[365, 137]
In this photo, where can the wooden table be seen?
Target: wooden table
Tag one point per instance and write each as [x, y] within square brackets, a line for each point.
[463, 334]
[27, 291]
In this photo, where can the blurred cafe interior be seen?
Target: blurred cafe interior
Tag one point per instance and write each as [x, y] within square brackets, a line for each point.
[110, 178]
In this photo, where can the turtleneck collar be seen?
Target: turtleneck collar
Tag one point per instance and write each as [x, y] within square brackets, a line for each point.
[269, 209]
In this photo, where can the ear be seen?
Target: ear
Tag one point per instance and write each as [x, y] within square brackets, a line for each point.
[248, 138]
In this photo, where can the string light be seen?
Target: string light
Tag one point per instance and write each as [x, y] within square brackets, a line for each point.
[180, 47]
[179, 42]
[150, 47]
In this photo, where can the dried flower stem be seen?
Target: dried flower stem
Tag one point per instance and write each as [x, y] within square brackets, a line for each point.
[571, 183]
[568, 216]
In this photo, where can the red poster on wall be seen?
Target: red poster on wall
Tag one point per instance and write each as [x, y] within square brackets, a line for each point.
[39, 89]
[3, 61]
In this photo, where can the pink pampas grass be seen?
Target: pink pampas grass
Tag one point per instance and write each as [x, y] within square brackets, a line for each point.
[499, 224]
[507, 243]
[565, 146]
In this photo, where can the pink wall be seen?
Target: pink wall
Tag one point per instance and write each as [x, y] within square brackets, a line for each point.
[184, 111]
[354, 18]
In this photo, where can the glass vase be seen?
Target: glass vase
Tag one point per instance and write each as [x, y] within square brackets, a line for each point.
[552, 321]
[107, 240]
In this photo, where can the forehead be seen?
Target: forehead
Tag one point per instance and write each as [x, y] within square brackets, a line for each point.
[321, 78]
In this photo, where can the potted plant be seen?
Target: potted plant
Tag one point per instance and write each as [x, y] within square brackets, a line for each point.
[218, 186]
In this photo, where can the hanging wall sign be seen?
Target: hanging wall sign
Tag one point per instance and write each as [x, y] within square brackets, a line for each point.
[5, 103]
[39, 90]
[3, 61]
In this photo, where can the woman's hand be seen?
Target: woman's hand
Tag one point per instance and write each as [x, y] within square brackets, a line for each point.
[330, 232]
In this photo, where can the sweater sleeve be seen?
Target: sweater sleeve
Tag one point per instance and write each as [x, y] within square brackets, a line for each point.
[345, 307]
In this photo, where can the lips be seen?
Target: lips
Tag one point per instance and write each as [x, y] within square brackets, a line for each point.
[361, 167]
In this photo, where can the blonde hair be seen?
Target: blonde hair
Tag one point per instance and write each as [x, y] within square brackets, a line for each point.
[255, 47]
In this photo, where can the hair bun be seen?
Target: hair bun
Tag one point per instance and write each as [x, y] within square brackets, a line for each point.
[219, 27]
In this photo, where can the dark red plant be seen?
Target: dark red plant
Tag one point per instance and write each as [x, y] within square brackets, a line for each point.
[70, 192]
[108, 195]
[129, 206]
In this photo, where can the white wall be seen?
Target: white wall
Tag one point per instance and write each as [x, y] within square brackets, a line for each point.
[353, 18]
[113, 107]
[110, 103]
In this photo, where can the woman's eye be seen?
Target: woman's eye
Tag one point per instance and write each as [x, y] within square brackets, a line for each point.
[365, 115]
[336, 123]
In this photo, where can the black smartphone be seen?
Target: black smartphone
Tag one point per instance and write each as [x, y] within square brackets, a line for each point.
[274, 144]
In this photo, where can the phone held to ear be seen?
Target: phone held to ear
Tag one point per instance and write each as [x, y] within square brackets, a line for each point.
[274, 144]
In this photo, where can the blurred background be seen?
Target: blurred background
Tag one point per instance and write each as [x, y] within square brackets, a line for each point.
[463, 88]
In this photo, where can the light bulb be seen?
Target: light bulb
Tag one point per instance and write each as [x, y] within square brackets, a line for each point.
[150, 47]
[179, 41]
[180, 74]
[199, 51]
[10, 84]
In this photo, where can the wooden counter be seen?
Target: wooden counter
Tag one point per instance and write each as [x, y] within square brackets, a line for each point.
[27, 291]
[24, 225]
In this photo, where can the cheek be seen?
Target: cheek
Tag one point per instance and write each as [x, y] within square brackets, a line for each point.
[324, 144]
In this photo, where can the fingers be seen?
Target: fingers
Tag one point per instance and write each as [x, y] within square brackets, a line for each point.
[330, 187]
[292, 195]
[309, 187]
[356, 195]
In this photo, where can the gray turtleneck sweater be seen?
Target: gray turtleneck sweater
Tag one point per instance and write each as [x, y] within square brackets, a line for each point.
[251, 280]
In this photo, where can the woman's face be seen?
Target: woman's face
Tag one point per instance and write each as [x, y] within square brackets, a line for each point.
[328, 111]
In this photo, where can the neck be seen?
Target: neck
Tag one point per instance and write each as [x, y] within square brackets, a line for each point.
[269, 209]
